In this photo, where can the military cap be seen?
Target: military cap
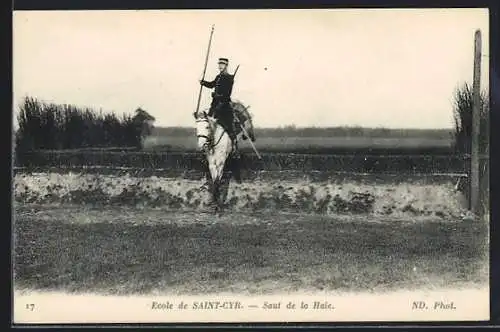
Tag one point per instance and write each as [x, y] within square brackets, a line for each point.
[224, 61]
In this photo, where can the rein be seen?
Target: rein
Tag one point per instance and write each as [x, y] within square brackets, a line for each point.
[209, 139]
[220, 137]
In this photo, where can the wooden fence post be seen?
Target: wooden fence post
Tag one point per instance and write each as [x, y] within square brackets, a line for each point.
[476, 119]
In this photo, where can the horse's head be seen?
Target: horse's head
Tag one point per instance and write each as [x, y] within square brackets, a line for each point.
[203, 130]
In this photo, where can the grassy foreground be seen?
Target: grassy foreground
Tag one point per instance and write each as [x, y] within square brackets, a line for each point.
[127, 251]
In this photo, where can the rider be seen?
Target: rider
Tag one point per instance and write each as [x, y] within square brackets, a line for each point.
[220, 107]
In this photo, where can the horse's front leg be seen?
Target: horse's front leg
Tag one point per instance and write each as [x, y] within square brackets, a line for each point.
[217, 206]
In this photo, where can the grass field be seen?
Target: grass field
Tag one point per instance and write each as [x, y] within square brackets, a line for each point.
[290, 144]
[129, 251]
[375, 162]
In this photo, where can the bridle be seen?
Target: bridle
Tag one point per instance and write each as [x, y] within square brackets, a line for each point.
[209, 139]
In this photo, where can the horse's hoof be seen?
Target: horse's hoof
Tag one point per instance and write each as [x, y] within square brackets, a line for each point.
[217, 210]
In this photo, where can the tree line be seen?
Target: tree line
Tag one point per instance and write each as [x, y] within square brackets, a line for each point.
[49, 126]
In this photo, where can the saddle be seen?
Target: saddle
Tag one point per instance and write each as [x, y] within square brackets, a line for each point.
[230, 123]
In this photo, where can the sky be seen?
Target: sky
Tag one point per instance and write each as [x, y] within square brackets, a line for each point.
[357, 67]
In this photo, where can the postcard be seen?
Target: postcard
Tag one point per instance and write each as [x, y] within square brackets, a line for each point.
[318, 165]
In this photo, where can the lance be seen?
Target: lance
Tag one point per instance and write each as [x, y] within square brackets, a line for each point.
[204, 71]
[250, 140]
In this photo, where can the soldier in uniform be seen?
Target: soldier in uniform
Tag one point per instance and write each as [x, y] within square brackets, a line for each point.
[220, 107]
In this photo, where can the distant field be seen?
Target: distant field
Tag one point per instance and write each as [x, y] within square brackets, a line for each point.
[289, 144]
[320, 132]
[314, 139]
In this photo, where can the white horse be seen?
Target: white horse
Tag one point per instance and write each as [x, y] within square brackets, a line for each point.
[215, 143]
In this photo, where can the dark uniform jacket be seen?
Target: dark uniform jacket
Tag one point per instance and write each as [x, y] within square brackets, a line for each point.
[221, 98]
[223, 86]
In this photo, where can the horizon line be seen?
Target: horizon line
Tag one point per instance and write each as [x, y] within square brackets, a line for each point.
[296, 127]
